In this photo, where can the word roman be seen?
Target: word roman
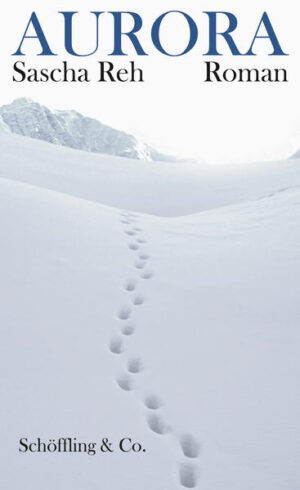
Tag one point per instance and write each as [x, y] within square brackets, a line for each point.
[263, 30]
[214, 73]
[107, 73]
[71, 445]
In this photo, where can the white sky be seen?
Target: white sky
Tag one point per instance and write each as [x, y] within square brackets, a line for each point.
[174, 109]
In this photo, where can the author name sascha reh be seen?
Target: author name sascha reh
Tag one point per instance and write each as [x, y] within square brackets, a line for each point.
[128, 34]
[64, 445]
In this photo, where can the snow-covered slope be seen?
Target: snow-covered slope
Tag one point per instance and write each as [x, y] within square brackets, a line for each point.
[165, 189]
[181, 333]
[69, 128]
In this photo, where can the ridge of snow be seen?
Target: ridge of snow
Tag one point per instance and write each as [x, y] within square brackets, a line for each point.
[168, 189]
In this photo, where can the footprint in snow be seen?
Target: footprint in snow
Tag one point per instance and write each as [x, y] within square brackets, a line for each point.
[128, 329]
[146, 274]
[135, 365]
[190, 447]
[130, 285]
[129, 215]
[153, 402]
[139, 264]
[188, 476]
[138, 300]
[157, 424]
[124, 313]
[116, 345]
[133, 246]
[125, 383]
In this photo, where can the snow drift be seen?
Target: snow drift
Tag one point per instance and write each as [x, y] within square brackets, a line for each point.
[158, 303]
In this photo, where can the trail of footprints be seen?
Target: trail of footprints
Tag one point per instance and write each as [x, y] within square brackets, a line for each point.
[190, 448]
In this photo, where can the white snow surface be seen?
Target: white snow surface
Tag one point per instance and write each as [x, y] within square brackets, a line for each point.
[205, 263]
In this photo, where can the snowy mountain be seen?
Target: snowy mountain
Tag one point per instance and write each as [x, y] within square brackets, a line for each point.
[296, 155]
[158, 303]
[3, 125]
[71, 129]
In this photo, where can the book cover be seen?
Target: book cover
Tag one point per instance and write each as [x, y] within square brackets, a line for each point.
[149, 245]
